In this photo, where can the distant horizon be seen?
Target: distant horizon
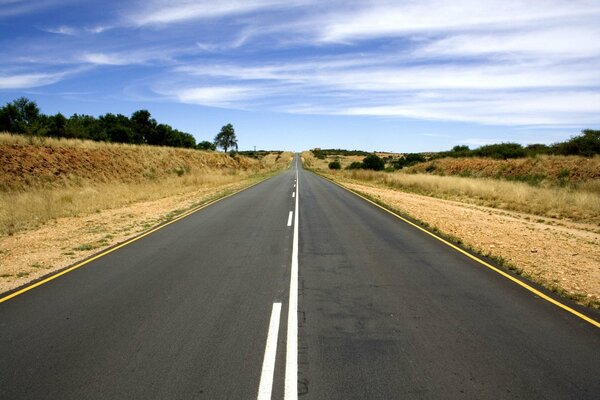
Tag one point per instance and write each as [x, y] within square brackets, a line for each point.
[397, 76]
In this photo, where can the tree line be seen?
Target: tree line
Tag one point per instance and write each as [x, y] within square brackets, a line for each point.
[23, 116]
[586, 144]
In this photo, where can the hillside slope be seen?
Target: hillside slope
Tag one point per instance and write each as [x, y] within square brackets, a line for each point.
[60, 163]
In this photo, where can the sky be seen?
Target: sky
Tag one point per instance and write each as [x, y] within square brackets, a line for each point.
[402, 76]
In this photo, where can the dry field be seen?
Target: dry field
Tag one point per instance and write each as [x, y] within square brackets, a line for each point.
[551, 235]
[62, 200]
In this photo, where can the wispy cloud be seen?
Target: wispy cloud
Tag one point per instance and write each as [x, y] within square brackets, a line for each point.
[62, 30]
[214, 95]
[25, 81]
[393, 18]
[9, 8]
[166, 12]
[510, 62]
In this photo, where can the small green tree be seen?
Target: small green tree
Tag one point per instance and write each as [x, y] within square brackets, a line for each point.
[226, 138]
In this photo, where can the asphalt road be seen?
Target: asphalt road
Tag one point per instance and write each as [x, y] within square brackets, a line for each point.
[339, 301]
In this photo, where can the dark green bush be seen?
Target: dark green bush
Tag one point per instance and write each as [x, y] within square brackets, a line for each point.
[501, 151]
[355, 165]
[407, 160]
[374, 162]
[335, 165]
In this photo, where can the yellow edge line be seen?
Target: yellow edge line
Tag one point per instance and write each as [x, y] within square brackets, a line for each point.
[99, 255]
[480, 261]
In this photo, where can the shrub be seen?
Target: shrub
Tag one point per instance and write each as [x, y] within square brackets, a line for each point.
[374, 162]
[501, 151]
[355, 165]
[335, 165]
[318, 154]
[407, 160]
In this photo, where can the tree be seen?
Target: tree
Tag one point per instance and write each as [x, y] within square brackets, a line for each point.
[144, 127]
[587, 144]
[56, 125]
[226, 138]
[20, 116]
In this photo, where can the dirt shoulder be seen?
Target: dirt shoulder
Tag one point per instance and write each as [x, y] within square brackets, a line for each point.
[29, 255]
[561, 255]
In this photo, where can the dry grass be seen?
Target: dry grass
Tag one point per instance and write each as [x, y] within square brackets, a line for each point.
[557, 202]
[544, 170]
[41, 180]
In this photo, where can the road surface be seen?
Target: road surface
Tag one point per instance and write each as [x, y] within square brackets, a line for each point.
[252, 297]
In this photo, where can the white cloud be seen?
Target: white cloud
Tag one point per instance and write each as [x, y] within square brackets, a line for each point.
[393, 18]
[554, 42]
[62, 30]
[24, 81]
[167, 12]
[132, 57]
[510, 108]
[9, 8]
[216, 96]
[105, 59]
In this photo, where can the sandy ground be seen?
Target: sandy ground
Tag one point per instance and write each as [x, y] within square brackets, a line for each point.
[31, 254]
[560, 255]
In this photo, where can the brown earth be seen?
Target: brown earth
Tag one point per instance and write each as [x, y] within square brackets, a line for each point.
[23, 166]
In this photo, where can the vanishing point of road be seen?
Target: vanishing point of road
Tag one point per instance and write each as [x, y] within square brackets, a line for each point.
[292, 288]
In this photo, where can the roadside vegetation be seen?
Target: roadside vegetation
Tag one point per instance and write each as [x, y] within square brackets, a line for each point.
[55, 178]
[536, 179]
[538, 186]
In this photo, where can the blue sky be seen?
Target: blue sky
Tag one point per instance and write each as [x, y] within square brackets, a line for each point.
[298, 74]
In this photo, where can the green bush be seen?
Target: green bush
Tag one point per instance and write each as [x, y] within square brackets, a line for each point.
[407, 160]
[501, 151]
[374, 162]
[355, 165]
[335, 165]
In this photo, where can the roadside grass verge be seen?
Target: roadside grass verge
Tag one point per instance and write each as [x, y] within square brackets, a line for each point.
[553, 202]
[27, 210]
[579, 203]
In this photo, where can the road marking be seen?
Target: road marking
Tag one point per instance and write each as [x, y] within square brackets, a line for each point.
[290, 218]
[117, 247]
[291, 358]
[268, 367]
[293, 194]
[480, 261]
